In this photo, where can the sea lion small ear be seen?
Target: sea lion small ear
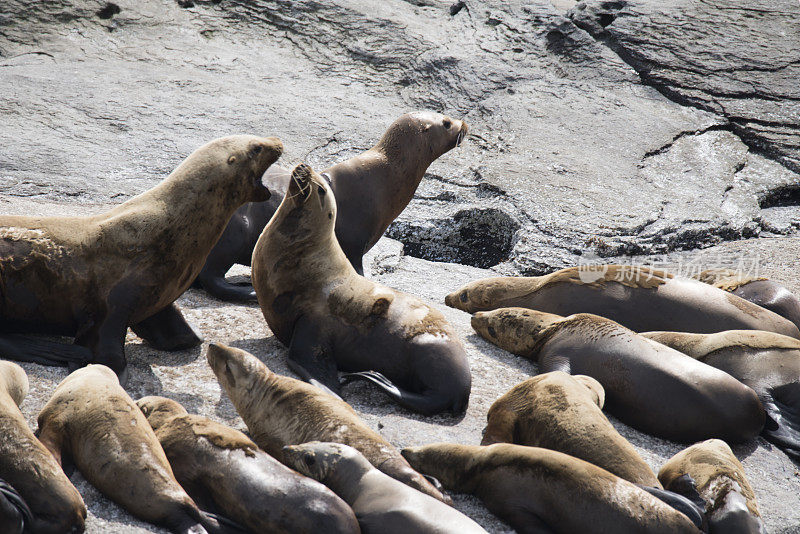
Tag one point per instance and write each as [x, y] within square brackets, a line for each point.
[231, 160]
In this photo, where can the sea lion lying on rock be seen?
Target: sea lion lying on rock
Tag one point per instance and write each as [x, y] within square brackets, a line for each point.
[382, 504]
[564, 413]
[91, 421]
[719, 479]
[224, 471]
[36, 490]
[331, 318]
[648, 386]
[280, 410]
[638, 298]
[93, 277]
[540, 491]
[371, 190]
[768, 363]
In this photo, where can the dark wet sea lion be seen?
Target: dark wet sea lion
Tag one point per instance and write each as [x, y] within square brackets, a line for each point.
[331, 318]
[280, 410]
[91, 421]
[719, 479]
[766, 293]
[93, 277]
[768, 363]
[648, 386]
[563, 413]
[639, 298]
[224, 471]
[30, 471]
[382, 504]
[539, 491]
[371, 190]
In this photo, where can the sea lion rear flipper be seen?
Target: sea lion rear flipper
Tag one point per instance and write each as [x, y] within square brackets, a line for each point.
[425, 404]
[688, 507]
[782, 428]
[13, 510]
[43, 351]
[532, 524]
[311, 358]
[168, 330]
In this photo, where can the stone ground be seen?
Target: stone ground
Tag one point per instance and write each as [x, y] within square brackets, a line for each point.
[597, 129]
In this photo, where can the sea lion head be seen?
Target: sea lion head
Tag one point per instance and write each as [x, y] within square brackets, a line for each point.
[515, 329]
[233, 367]
[486, 294]
[310, 196]
[158, 410]
[241, 157]
[14, 380]
[450, 463]
[319, 460]
[438, 133]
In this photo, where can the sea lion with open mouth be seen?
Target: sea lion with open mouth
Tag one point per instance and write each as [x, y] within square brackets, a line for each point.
[332, 318]
[371, 190]
[93, 277]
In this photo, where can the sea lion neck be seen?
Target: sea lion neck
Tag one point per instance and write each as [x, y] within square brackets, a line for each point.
[398, 169]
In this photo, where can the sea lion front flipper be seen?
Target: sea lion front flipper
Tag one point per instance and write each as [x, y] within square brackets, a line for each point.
[217, 524]
[692, 510]
[782, 428]
[168, 330]
[425, 404]
[43, 351]
[311, 358]
[15, 515]
[551, 363]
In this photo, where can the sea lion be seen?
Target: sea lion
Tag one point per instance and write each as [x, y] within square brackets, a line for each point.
[93, 277]
[381, 503]
[639, 298]
[719, 478]
[280, 410]
[768, 363]
[371, 190]
[563, 413]
[35, 486]
[331, 318]
[648, 386]
[91, 421]
[539, 491]
[766, 293]
[224, 471]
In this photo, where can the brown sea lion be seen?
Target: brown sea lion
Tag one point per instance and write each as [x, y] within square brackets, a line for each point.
[539, 491]
[331, 318]
[280, 410]
[371, 190]
[93, 277]
[639, 298]
[768, 363]
[91, 421]
[766, 293]
[36, 486]
[382, 504]
[648, 386]
[563, 413]
[719, 478]
[224, 471]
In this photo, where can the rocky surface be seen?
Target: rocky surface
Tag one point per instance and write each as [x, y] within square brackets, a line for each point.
[603, 128]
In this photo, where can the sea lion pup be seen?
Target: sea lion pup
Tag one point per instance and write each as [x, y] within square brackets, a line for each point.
[92, 277]
[563, 413]
[766, 293]
[224, 471]
[537, 490]
[648, 386]
[36, 486]
[720, 480]
[371, 190]
[639, 298]
[332, 318]
[280, 410]
[91, 421]
[381, 503]
[768, 363]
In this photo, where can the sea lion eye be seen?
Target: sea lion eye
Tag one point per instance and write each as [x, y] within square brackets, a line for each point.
[463, 297]
[256, 150]
[447, 123]
[310, 460]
